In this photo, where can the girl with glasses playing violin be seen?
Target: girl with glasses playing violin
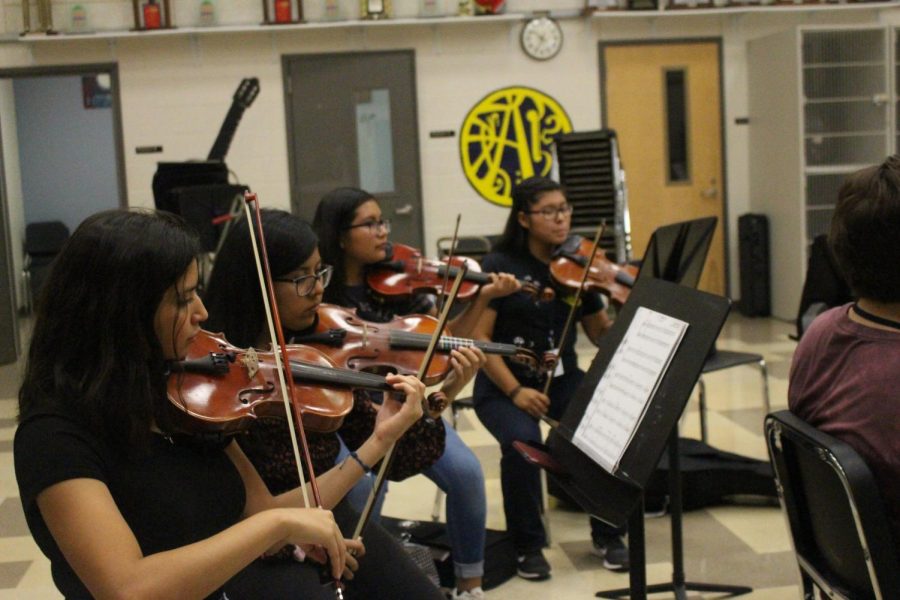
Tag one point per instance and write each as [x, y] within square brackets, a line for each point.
[353, 235]
[122, 502]
[508, 399]
[235, 306]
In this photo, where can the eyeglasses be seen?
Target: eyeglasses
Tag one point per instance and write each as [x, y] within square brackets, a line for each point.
[306, 284]
[550, 213]
[373, 226]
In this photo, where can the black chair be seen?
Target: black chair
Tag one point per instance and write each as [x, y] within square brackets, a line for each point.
[472, 246]
[726, 359]
[840, 531]
[43, 241]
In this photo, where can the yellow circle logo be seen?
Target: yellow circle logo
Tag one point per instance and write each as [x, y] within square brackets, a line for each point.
[506, 138]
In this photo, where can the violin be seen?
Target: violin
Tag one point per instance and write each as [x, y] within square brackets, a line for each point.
[407, 272]
[222, 389]
[604, 276]
[395, 346]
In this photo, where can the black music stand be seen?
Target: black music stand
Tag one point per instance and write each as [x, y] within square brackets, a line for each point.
[677, 252]
[617, 497]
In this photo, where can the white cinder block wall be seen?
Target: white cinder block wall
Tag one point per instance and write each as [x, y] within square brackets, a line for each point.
[176, 89]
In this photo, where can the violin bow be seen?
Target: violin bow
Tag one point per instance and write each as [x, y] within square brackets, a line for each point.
[449, 259]
[565, 332]
[423, 368]
[273, 321]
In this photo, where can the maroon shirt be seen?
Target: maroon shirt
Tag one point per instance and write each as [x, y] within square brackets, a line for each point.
[845, 381]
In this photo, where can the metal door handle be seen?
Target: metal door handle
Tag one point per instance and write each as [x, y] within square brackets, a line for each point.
[406, 209]
[712, 191]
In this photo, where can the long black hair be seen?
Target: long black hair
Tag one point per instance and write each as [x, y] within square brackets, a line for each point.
[94, 352]
[524, 195]
[335, 213]
[233, 298]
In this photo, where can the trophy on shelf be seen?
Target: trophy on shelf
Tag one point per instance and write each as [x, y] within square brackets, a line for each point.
[45, 18]
[282, 12]
[375, 9]
[592, 6]
[151, 15]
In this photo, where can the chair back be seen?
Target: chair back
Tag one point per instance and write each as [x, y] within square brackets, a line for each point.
[471, 246]
[45, 238]
[838, 524]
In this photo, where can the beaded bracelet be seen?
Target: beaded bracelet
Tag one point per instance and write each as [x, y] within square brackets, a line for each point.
[366, 468]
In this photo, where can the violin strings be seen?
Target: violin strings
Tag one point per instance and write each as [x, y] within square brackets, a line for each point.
[446, 341]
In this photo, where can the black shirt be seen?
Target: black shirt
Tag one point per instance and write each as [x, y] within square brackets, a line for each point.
[522, 319]
[172, 496]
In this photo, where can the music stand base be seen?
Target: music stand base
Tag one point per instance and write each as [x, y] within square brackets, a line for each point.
[679, 591]
[639, 589]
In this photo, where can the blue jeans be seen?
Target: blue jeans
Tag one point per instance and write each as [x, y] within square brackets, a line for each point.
[458, 473]
[520, 480]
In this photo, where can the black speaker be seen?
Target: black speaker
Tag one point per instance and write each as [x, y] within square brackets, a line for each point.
[753, 248]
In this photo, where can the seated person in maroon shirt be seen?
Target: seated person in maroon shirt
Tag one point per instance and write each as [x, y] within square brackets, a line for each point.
[845, 377]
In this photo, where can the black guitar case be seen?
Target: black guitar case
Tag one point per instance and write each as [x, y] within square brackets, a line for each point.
[711, 477]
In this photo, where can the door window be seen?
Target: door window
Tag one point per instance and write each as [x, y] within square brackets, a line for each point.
[373, 141]
[676, 127]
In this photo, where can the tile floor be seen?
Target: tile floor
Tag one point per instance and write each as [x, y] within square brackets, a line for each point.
[742, 545]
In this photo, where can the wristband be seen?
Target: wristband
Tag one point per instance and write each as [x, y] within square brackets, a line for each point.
[512, 394]
[366, 468]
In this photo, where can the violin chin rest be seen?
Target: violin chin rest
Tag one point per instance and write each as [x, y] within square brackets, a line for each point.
[436, 402]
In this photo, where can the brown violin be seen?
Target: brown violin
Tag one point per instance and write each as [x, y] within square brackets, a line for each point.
[220, 388]
[406, 272]
[395, 346]
[604, 276]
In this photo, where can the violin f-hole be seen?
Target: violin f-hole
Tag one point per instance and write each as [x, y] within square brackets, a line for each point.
[245, 395]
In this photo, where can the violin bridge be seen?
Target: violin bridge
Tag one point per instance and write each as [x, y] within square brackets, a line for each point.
[250, 361]
[365, 335]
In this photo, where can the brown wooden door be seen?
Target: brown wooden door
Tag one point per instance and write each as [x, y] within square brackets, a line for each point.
[664, 101]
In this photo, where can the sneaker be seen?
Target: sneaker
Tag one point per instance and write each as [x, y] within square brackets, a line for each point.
[533, 566]
[613, 552]
[473, 594]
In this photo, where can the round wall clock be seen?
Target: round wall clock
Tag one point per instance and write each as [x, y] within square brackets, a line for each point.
[542, 38]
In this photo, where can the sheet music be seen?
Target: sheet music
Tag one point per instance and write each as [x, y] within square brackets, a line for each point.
[627, 386]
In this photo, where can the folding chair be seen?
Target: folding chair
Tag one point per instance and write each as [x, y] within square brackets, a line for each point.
[43, 241]
[472, 246]
[726, 359]
[835, 514]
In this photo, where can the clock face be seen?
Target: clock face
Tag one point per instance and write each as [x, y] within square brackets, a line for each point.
[542, 38]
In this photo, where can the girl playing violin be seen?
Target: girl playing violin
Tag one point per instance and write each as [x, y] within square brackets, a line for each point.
[120, 502]
[508, 399]
[300, 277]
[353, 235]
